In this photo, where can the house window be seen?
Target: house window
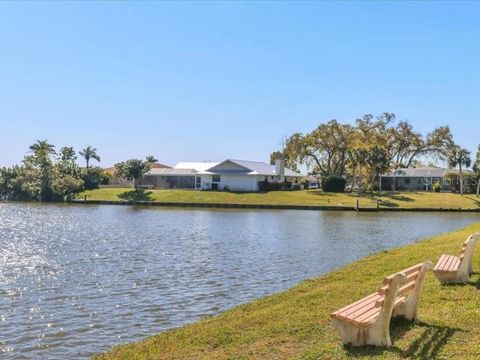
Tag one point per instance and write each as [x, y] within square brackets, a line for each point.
[407, 181]
[198, 182]
[216, 178]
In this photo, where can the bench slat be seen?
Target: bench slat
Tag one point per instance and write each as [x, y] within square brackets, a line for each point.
[449, 261]
[409, 278]
[440, 262]
[353, 304]
[454, 265]
[464, 246]
[407, 271]
[406, 288]
[358, 309]
[450, 265]
[445, 263]
[403, 289]
[371, 313]
[370, 319]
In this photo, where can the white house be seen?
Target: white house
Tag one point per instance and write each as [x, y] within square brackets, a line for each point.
[234, 175]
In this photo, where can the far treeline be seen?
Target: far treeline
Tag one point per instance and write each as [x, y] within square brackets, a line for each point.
[48, 175]
[359, 154]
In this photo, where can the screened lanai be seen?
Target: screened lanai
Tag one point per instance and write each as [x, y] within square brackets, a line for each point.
[170, 179]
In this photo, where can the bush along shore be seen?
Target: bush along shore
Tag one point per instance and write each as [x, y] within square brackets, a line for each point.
[296, 323]
[295, 200]
[47, 175]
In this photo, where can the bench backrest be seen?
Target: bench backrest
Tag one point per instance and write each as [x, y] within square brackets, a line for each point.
[389, 298]
[468, 246]
[413, 280]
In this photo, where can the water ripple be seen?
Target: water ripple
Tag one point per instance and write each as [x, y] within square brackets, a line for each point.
[76, 280]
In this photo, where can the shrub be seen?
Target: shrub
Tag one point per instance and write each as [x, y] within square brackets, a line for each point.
[267, 186]
[437, 187]
[93, 177]
[272, 186]
[333, 184]
[286, 185]
[65, 185]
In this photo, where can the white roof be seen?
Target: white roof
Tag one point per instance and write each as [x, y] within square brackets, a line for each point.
[198, 166]
[206, 167]
[262, 168]
[169, 171]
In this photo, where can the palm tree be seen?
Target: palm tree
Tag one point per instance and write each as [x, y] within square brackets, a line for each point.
[476, 168]
[42, 148]
[89, 153]
[151, 159]
[459, 157]
[41, 160]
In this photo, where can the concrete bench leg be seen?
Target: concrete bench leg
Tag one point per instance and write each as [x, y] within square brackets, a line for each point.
[409, 308]
[378, 334]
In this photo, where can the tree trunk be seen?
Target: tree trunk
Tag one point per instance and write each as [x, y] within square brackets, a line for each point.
[354, 179]
[461, 180]
[135, 184]
[373, 180]
[478, 187]
[360, 180]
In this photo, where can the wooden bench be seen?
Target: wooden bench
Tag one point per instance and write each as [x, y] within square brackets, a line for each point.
[457, 269]
[367, 321]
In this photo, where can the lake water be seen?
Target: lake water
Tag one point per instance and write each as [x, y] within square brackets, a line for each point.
[76, 280]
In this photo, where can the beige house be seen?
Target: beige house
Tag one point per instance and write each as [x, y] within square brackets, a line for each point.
[122, 182]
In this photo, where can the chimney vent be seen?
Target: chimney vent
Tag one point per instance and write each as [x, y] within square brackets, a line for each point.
[280, 169]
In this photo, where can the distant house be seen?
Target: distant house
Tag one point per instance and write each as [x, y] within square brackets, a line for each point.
[111, 170]
[234, 175]
[122, 182]
[417, 179]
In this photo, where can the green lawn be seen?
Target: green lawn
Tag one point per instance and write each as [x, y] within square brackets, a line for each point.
[296, 323]
[307, 197]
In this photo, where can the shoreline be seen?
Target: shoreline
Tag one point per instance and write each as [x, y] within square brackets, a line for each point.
[295, 323]
[268, 206]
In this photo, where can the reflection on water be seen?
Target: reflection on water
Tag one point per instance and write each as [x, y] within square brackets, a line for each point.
[75, 280]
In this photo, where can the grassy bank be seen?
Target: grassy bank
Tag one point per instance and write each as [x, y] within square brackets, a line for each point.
[296, 324]
[310, 197]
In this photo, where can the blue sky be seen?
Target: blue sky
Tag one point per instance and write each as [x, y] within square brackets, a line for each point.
[206, 81]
